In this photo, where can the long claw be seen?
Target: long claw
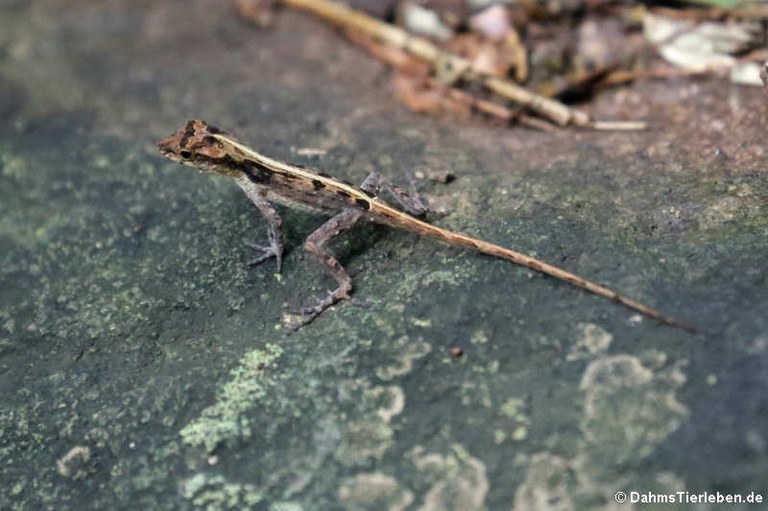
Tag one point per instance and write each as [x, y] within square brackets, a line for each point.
[258, 260]
[256, 246]
[310, 313]
[322, 304]
[266, 252]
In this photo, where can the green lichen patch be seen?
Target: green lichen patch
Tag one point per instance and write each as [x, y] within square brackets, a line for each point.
[215, 493]
[549, 485]
[456, 479]
[298, 423]
[228, 419]
[374, 492]
[629, 409]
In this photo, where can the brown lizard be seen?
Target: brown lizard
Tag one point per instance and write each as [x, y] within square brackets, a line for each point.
[265, 180]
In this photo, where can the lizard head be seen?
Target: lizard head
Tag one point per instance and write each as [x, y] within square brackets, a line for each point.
[196, 146]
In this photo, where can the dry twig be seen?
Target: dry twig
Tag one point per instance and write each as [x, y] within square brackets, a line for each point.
[448, 67]
[422, 93]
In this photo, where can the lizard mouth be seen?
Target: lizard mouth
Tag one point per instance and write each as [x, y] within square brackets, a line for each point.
[165, 147]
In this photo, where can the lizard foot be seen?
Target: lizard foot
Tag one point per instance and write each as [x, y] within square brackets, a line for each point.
[265, 252]
[311, 313]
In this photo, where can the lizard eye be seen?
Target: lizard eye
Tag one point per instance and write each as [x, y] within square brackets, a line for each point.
[185, 154]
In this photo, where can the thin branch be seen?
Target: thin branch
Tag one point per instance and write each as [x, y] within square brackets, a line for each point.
[448, 66]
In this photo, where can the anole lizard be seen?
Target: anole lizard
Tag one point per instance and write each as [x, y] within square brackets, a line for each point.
[265, 180]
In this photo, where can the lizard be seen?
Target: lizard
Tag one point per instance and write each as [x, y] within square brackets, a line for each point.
[265, 181]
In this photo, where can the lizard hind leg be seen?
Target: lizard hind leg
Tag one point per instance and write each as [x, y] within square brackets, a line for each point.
[316, 245]
[410, 202]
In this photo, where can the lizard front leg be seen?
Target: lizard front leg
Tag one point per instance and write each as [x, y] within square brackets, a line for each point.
[316, 245]
[275, 230]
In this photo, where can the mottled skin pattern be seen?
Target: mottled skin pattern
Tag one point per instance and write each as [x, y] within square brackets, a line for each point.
[265, 180]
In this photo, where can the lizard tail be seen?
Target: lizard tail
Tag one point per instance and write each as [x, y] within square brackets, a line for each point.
[455, 239]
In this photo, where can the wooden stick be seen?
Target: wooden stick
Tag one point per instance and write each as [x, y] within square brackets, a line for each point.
[402, 62]
[447, 65]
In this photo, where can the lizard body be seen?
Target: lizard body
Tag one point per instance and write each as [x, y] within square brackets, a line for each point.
[265, 180]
